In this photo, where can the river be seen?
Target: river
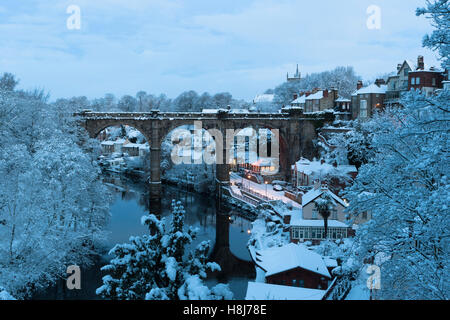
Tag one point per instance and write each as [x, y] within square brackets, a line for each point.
[130, 203]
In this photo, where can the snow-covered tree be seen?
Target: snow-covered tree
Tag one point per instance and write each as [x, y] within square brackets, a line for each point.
[342, 78]
[324, 206]
[405, 186]
[157, 266]
[52, 204]
[438, 11]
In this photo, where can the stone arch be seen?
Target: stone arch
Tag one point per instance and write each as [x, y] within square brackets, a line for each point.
[95, 127]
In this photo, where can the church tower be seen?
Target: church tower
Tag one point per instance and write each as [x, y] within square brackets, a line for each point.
[296, 77]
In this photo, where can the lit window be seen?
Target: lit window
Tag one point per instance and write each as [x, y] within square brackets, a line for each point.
[417, 80]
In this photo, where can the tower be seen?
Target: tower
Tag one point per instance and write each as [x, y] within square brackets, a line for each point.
[296, 77]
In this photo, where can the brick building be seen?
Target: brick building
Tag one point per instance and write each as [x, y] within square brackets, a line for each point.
[367, 100]
[294, 265]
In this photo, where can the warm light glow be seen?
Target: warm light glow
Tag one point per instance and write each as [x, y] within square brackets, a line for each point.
[249, 231]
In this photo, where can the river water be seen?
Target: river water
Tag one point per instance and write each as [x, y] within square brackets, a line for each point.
[202, 212]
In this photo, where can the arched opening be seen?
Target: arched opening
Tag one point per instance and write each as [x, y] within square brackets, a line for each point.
[188, 158]
[259, 154]
[124, 149]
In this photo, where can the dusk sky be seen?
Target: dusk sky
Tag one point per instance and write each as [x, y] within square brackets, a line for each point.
[159, 46]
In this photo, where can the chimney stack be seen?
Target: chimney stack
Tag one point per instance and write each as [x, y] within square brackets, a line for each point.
[379, 82]
[420, 63]
[359, 85]
[325, 93]
[295, 96]
[399, 66]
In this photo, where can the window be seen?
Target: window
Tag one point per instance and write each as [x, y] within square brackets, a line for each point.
[295, 234]
[417, 80]
[363, 109]
[334, 214]
[434, 82]
[301, 283]
[405, 72]
[413, 81]
[314, 214]
[294, 282]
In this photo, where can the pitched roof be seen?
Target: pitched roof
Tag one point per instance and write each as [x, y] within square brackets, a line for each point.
[341, 99]
[266, 291]
[278, 259]
[317, 95]
[300, 100]
[315, 193]
[373, 88]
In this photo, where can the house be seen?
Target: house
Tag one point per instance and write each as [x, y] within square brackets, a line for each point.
[132, 149]
[144, 149]
[342, 108]
[306, 173]
[266, 291]
[301, 230]
[308, 224]
[292, 265]
[118, 145]
[410, 76]
[321, 100]
[300, 100]
[425, 80]
[367, 100]
[107, 147]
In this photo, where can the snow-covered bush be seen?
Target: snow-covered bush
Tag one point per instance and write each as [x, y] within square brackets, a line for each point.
[157, 266]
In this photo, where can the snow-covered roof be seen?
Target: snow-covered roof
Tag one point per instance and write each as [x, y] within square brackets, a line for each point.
[317, 95]
[239, 111]
[120, 141]
[107, 143]
[299, 100]
[266, 291]
[298, 221]
[210, 110]
[318, 168]
[330, 263]
[263, 162]
[315, 193]
[263, 98]
[341, 99]
[278, 259]
[373, 88]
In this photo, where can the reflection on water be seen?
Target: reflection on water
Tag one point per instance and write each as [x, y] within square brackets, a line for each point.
[132, 202]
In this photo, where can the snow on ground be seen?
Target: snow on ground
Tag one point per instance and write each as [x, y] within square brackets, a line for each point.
[264, 190]
[359, 290]
[265, 291]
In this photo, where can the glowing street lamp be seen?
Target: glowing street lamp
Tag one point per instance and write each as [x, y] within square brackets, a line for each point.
[266, 182]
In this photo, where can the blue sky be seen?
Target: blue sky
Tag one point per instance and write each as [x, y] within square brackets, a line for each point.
[165, 46]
